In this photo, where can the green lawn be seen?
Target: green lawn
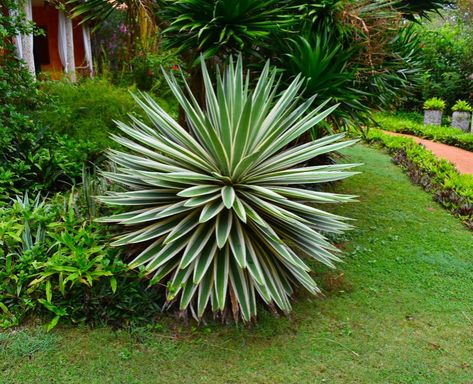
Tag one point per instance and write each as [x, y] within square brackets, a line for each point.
[400, 310]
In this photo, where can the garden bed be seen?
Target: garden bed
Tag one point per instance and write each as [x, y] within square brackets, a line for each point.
[451, 189]
[397, 311]
[445, 135]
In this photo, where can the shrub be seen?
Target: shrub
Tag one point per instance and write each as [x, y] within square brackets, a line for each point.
[40, 161]
[446, 58]
[54, 261]
[462, 106]
[434, 104]
[146, 70]
[84, 111]
[220, 217]
[326, 65]
[32, 157]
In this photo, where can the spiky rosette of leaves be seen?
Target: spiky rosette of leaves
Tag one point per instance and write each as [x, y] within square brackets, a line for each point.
[219, 203]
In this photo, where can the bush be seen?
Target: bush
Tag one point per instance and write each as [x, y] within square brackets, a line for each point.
[32, 157]
[147, 68]
[434, 104]
[462, 106]
[38, 160]
[86, 110]
[218, 208]
[325, 63]
[445, 135]
[55, 261]
[451, 189]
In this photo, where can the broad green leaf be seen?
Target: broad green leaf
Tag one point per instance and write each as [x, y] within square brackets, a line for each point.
[196, 244]
[204, 261]
[237, 244]
[239, 209]
[240, 287]
[205, 289]
[199, 190]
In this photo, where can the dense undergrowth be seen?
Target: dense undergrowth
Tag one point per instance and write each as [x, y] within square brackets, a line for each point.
[86, 111]
[57, 263]
[451, 189]
[64, 128]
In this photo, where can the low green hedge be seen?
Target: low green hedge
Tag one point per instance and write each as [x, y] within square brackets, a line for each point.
[445, 135]
[450, 188]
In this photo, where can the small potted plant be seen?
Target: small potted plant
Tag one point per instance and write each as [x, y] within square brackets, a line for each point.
[433, 109]
[461, 115]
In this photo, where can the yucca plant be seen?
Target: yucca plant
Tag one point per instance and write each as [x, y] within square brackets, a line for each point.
[219, 200]
[327, 66]
[218, 28]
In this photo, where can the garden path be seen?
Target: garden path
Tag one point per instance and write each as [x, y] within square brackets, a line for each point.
[462, 159]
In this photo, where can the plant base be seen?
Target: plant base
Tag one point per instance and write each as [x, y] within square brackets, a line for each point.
[461, 120]
[432, 117]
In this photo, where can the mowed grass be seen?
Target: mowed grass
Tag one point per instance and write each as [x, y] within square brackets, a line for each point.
[399, 310]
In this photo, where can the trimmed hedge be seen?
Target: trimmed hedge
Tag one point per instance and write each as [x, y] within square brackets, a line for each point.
[445, 135]
[452, 190]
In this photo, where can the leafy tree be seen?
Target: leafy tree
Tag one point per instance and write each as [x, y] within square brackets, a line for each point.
[447, 61]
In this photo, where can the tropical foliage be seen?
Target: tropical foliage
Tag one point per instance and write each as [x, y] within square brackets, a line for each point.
[220, 203]
[31, 156]
[219, 28]
[362, 54]
[325, 63]
[55, 262]
[434, 104]
[445, 58]
[462, 106]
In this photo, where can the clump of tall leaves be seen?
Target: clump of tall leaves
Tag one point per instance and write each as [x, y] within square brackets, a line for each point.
[325, 63]
[218, 28]
[222, 208]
